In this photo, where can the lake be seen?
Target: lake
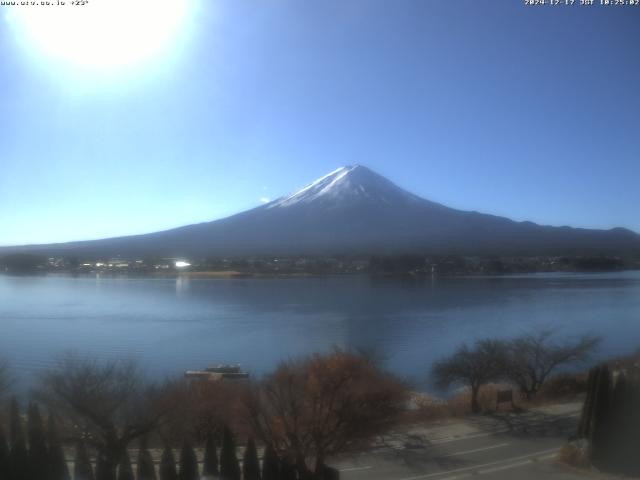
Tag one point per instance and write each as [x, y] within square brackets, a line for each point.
[172, 325]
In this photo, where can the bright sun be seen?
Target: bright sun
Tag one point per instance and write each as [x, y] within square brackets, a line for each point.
[103, 34]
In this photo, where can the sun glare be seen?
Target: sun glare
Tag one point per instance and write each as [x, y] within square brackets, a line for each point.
[103, 34]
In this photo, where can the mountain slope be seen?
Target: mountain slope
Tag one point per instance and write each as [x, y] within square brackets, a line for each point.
[355, 210]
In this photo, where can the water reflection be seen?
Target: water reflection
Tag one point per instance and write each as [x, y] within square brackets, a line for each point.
[182, 285]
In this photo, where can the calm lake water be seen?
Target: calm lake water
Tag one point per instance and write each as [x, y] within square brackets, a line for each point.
[171, 325]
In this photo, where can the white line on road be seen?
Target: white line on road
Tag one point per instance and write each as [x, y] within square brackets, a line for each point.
[474, 450]
[496, 431]
[546, 457]
[489, 464]
[354, 469]
[443, 440]
[517, 464]
[504, 467]
[457, 477]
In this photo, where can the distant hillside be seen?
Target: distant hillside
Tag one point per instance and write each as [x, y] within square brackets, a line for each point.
[355, 210]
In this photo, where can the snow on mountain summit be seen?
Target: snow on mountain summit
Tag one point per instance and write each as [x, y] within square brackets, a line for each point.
[354, 183]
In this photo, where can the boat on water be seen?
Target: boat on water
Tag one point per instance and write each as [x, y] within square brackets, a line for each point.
[218, 372]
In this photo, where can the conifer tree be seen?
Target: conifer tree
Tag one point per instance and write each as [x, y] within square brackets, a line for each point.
[329, 473]
[587, 408]
[168, 465]
[146, 470]
[188, 463]
[229, 468]
[18, 455]
[82, 469]
[125, 472]
[250, 464]
[601, 419]
[270, 464]
[38, 452]
[210, 457]
[4, 455]
[634, 427]
[287, 470]
[621, 452]
[611, 421]
[103, 472]
[57, 464]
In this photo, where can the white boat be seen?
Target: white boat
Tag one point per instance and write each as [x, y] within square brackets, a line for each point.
[218, 372]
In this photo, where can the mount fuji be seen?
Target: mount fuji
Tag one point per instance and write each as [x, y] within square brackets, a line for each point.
[353, 210]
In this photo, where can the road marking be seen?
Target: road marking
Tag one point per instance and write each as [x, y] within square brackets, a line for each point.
[546, 457]
[500, 468]
[457, 477]
[489, 464]
[354, 469]
[504, 467]
[443, 440]
[474, 450]
[498, 430]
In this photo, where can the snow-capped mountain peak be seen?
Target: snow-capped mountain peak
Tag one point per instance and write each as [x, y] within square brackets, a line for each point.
[353, 210]
[351, 183]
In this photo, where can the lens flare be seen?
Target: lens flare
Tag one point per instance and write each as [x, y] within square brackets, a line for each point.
[102, 34]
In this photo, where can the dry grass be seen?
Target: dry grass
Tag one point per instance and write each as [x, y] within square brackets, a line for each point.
[573, 456]
[459, 405]
[563, 387]
[628, 362]
[427, 408]
[560, 388]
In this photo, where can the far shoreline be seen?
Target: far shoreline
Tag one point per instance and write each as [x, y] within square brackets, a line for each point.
[237, 275]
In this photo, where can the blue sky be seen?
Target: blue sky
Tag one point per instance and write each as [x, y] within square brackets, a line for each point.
[531, 113]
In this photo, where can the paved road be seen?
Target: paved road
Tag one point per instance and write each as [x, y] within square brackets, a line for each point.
[503, 446]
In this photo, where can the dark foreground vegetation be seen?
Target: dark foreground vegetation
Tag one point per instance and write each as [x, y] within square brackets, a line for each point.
[105, 421]
[303, 413]
[608, 436]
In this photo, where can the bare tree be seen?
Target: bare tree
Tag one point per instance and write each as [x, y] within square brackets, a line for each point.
[533, 357]
[201, 408]
[107, 404]
[473, 367]
[322, 405]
